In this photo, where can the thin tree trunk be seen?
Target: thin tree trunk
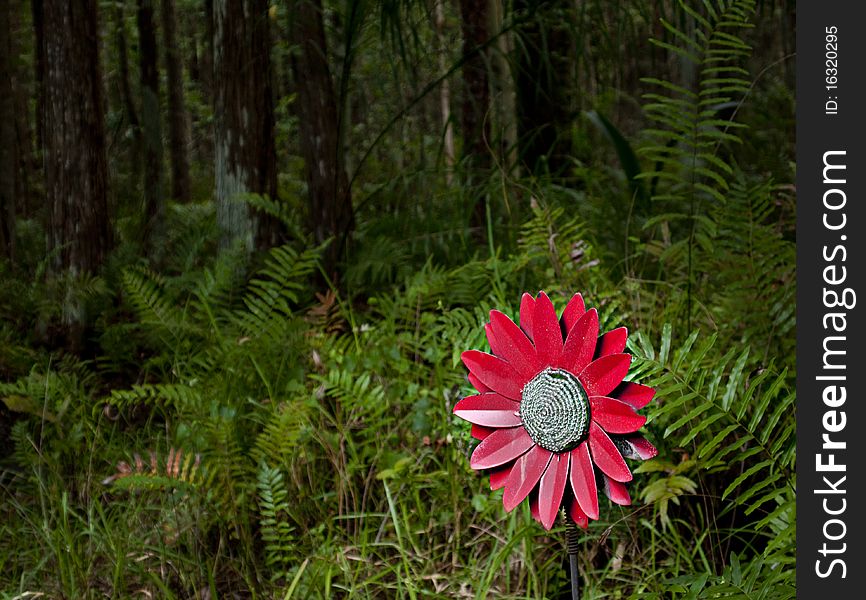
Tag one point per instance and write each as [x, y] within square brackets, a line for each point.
[244, 150]
[476, 92]
[193, 59]
[22, 88]
[126, 98]
[8, 145]
[329, 197]
[76, 174]
[38, 11]
[504, 99]
[178, 127]
[476, 103]
[543, 76]
[123, 65]
[207, 58]
[154, 178]
[445, 95]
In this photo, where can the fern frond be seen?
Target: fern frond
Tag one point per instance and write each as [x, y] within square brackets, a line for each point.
[178, 396]
[155, 309]
[734, 420]
[688, 135]
[180, 469]
[275, 529]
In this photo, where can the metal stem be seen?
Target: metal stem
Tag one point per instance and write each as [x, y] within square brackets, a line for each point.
[571, 545]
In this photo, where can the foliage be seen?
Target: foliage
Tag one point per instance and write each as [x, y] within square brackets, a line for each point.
[297, 430]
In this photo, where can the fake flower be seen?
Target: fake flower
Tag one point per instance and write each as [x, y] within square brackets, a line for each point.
[553, 414]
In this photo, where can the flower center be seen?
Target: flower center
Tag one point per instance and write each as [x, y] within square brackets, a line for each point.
[555, 410]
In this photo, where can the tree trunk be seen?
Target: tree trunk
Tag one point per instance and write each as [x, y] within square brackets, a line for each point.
[445, 94]
[23, 93]
[543, 75]
[76, 174]
[504, 98]
[123, 66]
[178, 127]
[8, 145]
[476, 103]
[38, 11]
[151, 127]
[329, 198]
[476, 90]
[207, 65]
[126, 98]
[244, 150]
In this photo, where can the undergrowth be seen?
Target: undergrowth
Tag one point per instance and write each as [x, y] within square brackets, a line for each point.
[248, 432]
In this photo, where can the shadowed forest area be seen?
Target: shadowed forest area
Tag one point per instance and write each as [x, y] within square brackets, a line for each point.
[243, 244]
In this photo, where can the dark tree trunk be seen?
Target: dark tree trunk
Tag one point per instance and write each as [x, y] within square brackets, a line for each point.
[21, 84]
[126, 97]
[76, 175]
[476, 90]
[178, 127]
[207, 57]
[475, 19]
[329, 197]
[8, 145]
[151, 126]
[193, 58]
[123, 75]
[244, 151]
[37, 9]
[543, 68]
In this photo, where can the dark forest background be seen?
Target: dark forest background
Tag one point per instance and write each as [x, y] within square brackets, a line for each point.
[243, 243]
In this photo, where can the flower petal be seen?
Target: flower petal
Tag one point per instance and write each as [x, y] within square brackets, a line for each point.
[513, 345]
[500, 447]
[550, 489]
[573, 311]
[533, 507]
[634, 393]
[525, 473]
[527, 308]
[578, 516]
[480, 433]
[583, 480]
[580, 343]
[495, 373]
[605, 454]
[635, 447]
[612, 342]
[495, 347]
[613, 416]
[602, 375]
[491, 410]
[499, 476]
[546, 332]
[476, 383]
[616, 491]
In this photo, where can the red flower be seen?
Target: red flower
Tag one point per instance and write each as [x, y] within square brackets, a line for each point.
[553, 414]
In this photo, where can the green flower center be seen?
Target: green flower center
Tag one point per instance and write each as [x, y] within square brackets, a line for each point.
[555, 410]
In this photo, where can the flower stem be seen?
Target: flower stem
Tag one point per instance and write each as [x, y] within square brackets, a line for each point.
[571, 545]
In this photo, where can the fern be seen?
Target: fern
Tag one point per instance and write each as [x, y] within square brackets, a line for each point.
[690, 173]
[554, 239]
[179, 397]
[277, 443]
[757, 578]
[275, 529]
[688, 136]
[750, 262]
[161, 314]
[738, 422]
[179, 470]
[271, 295]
